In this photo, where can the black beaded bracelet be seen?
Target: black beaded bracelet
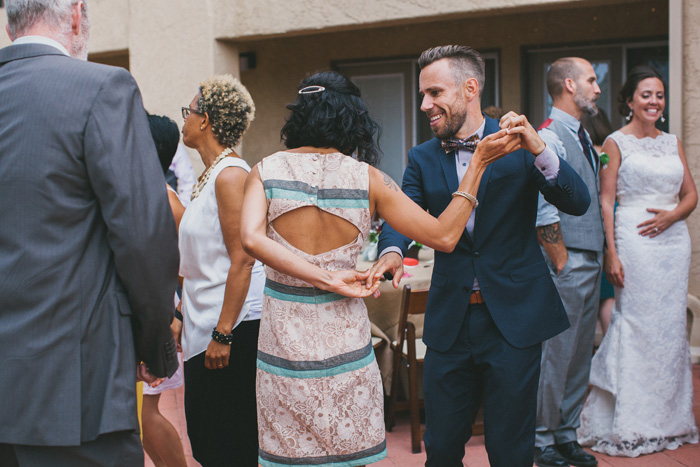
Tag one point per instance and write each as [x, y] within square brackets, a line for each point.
[222, 338]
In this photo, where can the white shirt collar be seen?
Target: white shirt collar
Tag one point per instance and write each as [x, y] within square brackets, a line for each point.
[567, 119]
[41, 40]
[480, 131]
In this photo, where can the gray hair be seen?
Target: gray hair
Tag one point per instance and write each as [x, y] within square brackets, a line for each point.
[559, 71]
[23, 14]
[465, 62]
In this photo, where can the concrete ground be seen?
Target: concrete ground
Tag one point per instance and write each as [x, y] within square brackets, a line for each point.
[399, 442]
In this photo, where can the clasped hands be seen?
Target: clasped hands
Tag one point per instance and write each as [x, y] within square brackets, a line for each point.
[519, 125]
[516, 133]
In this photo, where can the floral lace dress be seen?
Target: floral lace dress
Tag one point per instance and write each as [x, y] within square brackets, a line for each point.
[319, 391]
[642, 393]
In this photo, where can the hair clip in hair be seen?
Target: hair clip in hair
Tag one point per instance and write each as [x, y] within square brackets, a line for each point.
[311, 89]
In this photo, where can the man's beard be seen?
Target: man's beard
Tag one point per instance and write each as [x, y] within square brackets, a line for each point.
[585, 104]
[453, 123]
[79, 47]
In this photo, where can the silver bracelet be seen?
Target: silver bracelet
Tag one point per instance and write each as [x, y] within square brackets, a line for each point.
[469, 197]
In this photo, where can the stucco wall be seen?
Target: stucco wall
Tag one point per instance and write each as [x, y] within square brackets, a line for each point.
[253, 18]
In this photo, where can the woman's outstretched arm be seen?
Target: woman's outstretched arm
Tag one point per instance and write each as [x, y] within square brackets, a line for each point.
[441, 233]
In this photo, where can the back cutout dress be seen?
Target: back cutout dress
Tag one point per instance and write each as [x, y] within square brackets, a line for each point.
[319, 390]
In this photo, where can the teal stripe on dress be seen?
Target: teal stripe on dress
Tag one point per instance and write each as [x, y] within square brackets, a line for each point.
[290, 293]
[307, 374]
[366, 457]
[343, 203]
[289, 185]
[318, 199]
[324, 197]
[331, 362]
[281, 193]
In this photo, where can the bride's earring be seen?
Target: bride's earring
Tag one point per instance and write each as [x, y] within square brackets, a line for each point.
[663, 119]
[629, 116]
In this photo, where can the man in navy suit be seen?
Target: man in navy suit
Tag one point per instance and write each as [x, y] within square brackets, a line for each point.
[492, 301]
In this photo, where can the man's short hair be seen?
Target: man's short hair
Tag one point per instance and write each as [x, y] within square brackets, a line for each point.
[23, 14]
[465, 62]
[559, 71]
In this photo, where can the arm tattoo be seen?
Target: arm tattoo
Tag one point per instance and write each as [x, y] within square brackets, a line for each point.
[550, 233]
[389, 182]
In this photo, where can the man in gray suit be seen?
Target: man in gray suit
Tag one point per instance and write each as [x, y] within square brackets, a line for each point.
[88, 247]
[573, 248]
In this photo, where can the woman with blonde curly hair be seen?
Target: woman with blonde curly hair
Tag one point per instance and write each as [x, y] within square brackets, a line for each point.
[223, 286]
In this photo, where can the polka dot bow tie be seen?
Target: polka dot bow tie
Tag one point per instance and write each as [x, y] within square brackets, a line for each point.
[453, 144]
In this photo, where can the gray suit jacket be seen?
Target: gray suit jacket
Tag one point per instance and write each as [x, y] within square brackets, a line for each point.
[88, 249]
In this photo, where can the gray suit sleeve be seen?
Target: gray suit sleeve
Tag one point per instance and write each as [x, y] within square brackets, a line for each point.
[125, 175]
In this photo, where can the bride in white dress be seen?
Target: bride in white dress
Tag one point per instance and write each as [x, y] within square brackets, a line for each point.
[641, 399]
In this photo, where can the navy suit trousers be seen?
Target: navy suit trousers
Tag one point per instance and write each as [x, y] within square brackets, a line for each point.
[481, 365]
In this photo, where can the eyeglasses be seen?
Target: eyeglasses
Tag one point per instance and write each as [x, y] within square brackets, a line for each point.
[186, 111]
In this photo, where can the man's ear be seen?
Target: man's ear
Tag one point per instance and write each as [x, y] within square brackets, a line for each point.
[570, 85]
[76, 18]
[9, 34]
[470, 89]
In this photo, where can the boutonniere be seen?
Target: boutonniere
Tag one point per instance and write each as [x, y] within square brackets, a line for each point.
[604, 159]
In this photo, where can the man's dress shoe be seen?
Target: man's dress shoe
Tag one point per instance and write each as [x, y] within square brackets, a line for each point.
[548, 456]
[574, 454]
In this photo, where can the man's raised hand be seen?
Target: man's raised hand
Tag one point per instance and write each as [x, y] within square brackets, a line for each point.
[519, 125]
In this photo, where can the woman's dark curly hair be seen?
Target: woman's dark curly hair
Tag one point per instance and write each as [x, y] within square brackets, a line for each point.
[634, 77]
[334, 118]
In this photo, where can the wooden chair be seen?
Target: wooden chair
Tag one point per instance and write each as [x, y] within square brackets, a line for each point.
[410, 351]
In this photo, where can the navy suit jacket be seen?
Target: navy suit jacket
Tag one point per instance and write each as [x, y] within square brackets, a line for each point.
[503, 253]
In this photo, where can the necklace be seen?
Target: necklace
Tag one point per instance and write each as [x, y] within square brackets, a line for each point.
[205, 176]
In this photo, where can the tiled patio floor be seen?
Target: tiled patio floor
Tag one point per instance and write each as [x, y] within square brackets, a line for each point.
[399, 446]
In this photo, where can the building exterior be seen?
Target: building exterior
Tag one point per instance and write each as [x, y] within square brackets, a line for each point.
[171, 45]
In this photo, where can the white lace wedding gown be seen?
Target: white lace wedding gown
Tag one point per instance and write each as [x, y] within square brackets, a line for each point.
[641, 399]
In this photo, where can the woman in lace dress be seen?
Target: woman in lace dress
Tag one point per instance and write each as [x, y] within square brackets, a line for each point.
[642, 394]
[306, 213]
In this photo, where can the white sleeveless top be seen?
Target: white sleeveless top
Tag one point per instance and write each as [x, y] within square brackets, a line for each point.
[204, 265]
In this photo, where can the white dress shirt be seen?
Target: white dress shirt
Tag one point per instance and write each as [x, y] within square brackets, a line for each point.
[40, 40]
